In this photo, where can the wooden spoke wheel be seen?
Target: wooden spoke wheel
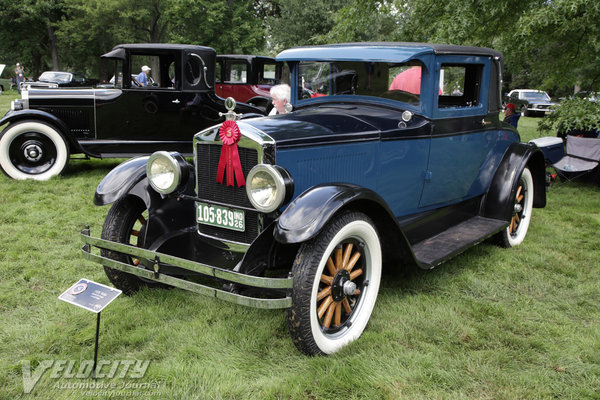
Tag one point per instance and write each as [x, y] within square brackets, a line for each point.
[336, 281]
[126, 223]
[522, 207]
[340, 285]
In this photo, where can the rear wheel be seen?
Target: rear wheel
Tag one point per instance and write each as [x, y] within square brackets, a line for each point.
[126, 223]
[32, 150]
[336, 281]
[516, 231]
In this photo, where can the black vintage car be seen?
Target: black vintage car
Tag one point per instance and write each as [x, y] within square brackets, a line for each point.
[304, 210]
[118, 118]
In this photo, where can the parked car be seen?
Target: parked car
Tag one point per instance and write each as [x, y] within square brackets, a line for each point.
[118, 119]
[247, 78]
[303, 210]
[54, 79]
[530, 102]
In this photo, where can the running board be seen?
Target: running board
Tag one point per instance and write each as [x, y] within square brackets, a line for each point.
[435, 250]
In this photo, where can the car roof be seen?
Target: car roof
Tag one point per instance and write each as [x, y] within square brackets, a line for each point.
[247, 57]
[380, 51]
[118, 50]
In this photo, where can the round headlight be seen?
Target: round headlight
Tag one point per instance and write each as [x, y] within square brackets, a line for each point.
[164, 171]
[266, 187]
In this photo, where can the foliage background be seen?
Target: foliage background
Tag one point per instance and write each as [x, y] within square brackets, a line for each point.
[533, 34]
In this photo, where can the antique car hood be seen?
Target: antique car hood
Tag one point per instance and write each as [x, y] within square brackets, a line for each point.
[330, 123]
[73, 93]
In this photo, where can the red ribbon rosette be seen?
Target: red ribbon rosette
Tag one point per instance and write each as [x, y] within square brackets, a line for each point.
[230, 158]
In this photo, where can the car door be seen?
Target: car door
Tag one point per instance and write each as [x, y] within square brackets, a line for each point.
[464, 141]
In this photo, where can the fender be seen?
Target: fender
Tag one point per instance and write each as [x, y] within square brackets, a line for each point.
[304, 218]
[500, 195]
[121, 180]
[28, 114]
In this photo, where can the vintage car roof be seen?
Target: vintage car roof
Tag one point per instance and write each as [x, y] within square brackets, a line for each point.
[245, 56]
[119, 50]
[379, 51]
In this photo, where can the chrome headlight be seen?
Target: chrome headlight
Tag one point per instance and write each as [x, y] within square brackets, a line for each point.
[165, 171]
[268, 187]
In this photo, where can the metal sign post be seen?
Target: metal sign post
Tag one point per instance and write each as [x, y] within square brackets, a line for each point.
[93, 297]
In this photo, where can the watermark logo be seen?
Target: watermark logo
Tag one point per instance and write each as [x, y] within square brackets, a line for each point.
[67, 369]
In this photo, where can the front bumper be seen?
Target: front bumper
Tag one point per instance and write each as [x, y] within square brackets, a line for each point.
[159, 261]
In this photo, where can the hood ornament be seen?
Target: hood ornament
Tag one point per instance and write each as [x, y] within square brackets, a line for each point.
[230, 115]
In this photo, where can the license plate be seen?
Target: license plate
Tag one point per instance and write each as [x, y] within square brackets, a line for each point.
[228, 218]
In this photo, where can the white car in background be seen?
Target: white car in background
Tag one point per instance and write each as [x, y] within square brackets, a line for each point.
[530, 102]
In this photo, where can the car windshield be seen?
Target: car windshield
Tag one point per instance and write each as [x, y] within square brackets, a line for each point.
[394, 81]
[535, 96]
[58, 77]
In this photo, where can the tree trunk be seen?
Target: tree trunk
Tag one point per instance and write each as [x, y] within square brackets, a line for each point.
[53, 48]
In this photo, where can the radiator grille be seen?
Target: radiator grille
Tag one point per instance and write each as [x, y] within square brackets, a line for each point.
[78, 121]
[207, 161]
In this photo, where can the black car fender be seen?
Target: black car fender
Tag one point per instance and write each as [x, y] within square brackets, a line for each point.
[499, 199]
[12, 117]
[167, 214]
[121, 180]
[308, 214]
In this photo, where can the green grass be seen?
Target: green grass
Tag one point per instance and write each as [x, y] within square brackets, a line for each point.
[492, 323]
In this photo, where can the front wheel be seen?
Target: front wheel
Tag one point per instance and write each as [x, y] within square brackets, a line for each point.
[126, 223]
[336, 281]
[514, 234]
[32, 150]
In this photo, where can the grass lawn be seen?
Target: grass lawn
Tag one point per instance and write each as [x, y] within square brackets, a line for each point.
[492, 323]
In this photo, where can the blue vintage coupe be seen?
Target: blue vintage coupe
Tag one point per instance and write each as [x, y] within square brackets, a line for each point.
[393, 154]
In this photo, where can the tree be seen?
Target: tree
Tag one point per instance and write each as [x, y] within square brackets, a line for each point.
[27, 33]
[226, 25]
[302, 22]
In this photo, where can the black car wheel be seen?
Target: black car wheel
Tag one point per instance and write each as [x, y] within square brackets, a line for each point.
[126, 223]
[516, 231]
[524, 111]
[32, 150]
[336, 281]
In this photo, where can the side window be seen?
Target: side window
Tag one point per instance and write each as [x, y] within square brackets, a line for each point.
[138, 61]
[268, 74]
[237, 72]
[193, 70]
[460, 85]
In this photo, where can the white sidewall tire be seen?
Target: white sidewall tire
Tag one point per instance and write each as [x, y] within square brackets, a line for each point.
[521, 232]
[363, 231]
[12, 132]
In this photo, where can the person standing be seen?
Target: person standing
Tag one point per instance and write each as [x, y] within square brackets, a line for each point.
[20, 76]
[142, 78]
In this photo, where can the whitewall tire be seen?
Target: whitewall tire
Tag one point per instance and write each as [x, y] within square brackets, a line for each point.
[516, 231]
[32, 150]
[336, 282]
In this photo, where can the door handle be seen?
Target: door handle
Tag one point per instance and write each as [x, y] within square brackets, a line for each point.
[176, 101]
[485, 123]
